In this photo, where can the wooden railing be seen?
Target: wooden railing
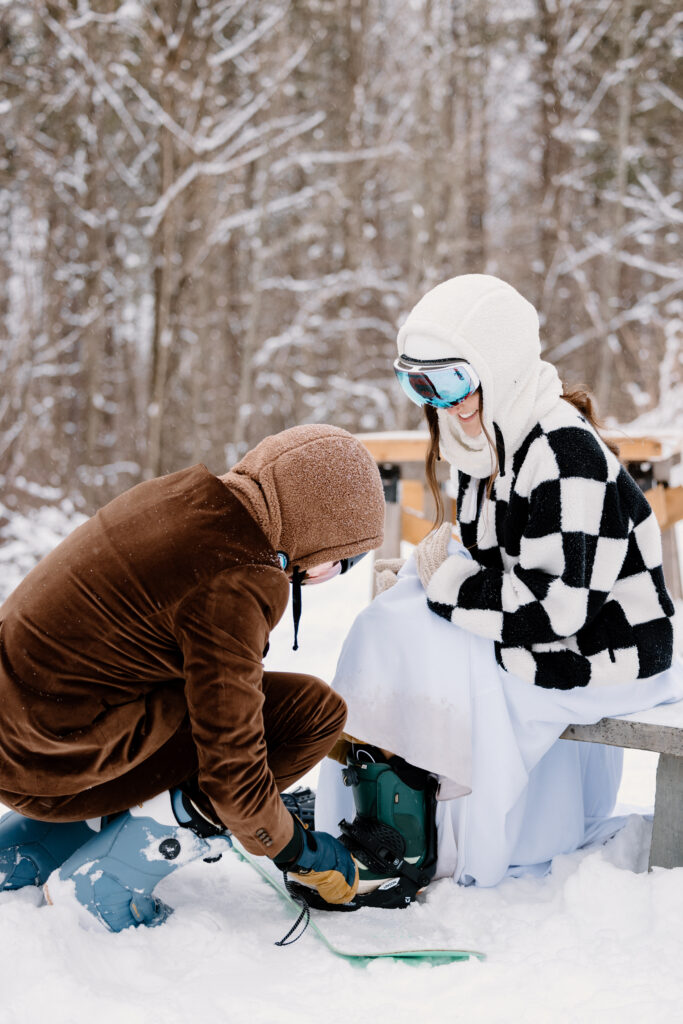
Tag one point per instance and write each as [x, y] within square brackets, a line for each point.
[400, 456]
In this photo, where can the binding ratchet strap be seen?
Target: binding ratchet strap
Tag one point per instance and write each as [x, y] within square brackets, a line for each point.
[379, 855]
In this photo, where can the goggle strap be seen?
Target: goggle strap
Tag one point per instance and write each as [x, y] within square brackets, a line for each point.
[421, 365]
[348, 563]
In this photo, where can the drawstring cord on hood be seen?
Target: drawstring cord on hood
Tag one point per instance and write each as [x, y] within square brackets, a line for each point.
[297, 579]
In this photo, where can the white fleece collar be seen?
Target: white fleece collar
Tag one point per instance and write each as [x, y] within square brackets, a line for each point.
[473, 455]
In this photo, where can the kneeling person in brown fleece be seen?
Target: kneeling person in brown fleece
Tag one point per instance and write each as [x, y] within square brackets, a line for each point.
[138, 725]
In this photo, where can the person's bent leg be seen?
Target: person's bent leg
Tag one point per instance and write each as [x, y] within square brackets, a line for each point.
[303, 718]
[113, 872]
[169, 766]
[113, 861]
[113, 876]
[41, 832]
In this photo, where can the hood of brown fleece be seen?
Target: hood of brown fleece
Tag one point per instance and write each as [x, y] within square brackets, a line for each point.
[315, 491]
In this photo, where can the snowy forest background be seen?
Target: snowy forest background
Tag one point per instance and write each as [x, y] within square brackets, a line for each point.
[215, 213]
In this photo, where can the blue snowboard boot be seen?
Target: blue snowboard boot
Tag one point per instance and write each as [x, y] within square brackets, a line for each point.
[30, 850]
[114, 874]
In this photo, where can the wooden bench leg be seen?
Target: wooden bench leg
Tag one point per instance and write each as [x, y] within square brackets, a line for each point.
[666, 850]
[391, 546]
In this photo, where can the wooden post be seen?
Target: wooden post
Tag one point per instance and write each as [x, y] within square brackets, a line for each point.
[666, 850]
[661, 729]
[672, 563]
[390, 473]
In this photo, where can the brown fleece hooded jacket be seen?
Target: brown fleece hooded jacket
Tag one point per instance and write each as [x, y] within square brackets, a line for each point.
[161, 606]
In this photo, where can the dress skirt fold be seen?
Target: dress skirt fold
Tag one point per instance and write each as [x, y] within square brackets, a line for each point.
[512, 794]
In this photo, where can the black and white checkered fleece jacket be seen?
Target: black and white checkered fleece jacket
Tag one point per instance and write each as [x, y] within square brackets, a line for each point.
[567, 573]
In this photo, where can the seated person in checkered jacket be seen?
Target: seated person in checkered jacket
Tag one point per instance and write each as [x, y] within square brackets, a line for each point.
[566, 572]
[555, 609]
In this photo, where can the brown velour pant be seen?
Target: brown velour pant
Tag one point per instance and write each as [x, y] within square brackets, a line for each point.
[303, 718]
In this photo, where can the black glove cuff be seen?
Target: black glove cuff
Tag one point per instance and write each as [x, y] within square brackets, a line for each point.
[289, 855]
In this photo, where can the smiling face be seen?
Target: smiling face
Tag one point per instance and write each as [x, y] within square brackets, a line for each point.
[468, 414]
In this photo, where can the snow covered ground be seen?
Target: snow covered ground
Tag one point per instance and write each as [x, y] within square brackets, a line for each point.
[598, 940]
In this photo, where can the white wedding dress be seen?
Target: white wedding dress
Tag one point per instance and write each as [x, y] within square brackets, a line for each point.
[512, 794]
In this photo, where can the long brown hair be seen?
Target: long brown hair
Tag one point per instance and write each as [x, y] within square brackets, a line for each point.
[577, 396]
[431, 459]
[582, 401]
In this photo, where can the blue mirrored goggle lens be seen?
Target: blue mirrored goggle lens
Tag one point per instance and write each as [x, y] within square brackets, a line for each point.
[443, 387]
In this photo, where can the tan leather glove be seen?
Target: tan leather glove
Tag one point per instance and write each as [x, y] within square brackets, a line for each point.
[432, 552]
[332, 885]
[342, 748]
[386, 573]
[320, 861]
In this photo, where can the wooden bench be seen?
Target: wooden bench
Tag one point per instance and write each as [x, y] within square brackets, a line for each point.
[660, 729]
[400, 456]
[650, 460]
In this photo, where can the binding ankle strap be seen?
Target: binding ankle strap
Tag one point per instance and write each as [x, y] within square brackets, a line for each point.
[383, 858]
[190, 815]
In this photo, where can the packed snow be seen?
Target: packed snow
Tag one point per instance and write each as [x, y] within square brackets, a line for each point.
[598, 939]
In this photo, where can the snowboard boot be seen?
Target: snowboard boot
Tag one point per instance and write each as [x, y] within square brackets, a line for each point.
[393, 835]
[30, 850]
[113, 875]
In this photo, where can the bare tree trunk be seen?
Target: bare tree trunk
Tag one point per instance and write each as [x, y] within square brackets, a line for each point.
[93, 342]
[604, 378]
[249, 342]
[352, 224]
[422, 155]
[198, 416]
[476, 146]
[553, 151]
[161, 342]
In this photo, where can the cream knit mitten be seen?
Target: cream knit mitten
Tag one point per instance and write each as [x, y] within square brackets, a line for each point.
[386, 573]
[432, 552]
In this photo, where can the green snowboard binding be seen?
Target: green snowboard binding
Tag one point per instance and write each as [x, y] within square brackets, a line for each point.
[393, 835]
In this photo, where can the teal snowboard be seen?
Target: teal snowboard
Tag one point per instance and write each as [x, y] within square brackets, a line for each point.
[433, 957]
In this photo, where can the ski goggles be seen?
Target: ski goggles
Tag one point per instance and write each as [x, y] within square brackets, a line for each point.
[328, 570]
[441, 383]
[324, 571]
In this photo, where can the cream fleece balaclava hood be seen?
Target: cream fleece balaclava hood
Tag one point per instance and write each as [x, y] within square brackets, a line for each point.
[316, 492]
[487, 322]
